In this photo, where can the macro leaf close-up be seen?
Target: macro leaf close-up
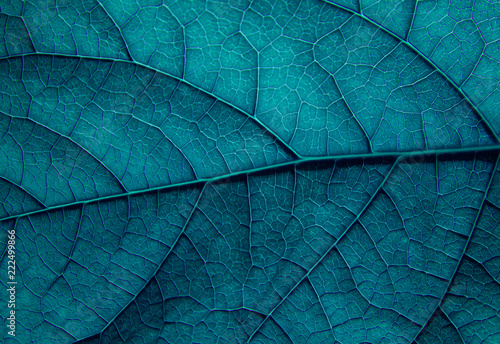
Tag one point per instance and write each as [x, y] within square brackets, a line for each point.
[236, 171]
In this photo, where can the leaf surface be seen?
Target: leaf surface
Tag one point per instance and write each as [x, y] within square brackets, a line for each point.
[251, 172]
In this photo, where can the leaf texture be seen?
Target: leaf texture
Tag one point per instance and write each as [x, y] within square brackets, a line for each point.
[251, 171]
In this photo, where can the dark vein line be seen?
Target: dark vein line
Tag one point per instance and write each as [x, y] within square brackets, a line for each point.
[118, 28]
[99, 162]
[23, 163]
[70, 256]
[344, 100]
[282, 330]
[160, 264]
[184, 42]
[387, 265]
[250, 220]
[451, 322]
[327, 252]
[370, 302]
[257, 81]
[412, 20]
[483, 266]
[91, 100]
[244, 112]
[397, 155]
[55, 326]
[26, 27]
[457, 87]
[323, 308]
[23, 189]
[483, 52]
[387, 106]
[77, 234]
[394, 204]
[165, 137]
[162, 309]
[478, 215]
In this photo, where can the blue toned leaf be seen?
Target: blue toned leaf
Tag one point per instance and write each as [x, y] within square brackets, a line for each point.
[15, 37]
[251, 171]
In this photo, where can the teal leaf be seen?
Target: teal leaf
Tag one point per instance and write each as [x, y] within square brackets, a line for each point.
[251, 171]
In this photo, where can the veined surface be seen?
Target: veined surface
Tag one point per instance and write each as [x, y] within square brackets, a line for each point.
[251, 171]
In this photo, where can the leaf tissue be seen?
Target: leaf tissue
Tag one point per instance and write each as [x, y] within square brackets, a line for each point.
[235, 171]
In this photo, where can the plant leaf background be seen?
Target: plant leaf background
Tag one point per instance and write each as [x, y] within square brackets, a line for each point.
[251, 171]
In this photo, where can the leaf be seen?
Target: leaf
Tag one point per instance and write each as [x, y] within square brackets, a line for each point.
[251, 172]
